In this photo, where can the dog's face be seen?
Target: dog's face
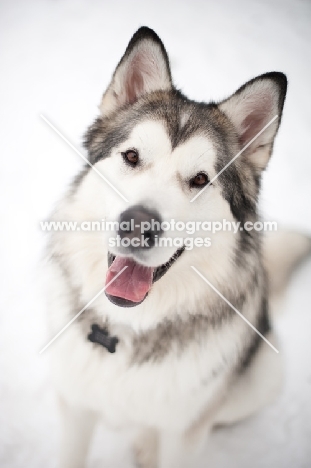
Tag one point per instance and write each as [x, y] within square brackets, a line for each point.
[161, 150]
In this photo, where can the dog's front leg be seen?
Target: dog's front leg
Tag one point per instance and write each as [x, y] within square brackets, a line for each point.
[181, 450]
[76, 431]
[145, 446]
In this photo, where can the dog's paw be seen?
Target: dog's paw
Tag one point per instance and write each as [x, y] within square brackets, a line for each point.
[145, 449]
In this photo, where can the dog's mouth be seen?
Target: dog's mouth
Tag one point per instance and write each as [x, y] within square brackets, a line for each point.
[132, 286]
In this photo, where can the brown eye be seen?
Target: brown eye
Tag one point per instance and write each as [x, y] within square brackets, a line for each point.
[131, 157]
[199, 180]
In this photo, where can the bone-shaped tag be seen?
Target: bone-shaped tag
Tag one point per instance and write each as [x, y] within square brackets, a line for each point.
[101, 336]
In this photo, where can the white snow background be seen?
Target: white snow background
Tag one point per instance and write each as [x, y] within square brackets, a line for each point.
[56, 59]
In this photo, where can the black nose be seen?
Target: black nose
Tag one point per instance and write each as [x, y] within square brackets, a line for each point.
[138, 222]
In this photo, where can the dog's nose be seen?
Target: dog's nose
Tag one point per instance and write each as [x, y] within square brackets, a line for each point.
[138, 222]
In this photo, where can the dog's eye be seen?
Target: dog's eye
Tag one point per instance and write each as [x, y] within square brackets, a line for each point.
[199, 180]
[131, 157]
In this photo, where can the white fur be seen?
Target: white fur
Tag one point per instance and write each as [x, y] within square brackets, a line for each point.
[170, 396]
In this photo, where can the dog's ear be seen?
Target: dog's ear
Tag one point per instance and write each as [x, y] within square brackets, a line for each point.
[251, 108]
[143, 68]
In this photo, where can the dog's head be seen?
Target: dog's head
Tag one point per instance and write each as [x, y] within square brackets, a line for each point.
[170, 158]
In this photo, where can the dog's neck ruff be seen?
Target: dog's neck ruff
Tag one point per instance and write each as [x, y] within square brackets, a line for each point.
[102, 337]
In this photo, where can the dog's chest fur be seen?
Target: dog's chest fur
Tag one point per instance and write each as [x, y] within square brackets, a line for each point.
[164, 376]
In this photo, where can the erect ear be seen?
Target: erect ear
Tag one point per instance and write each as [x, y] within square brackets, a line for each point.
[143, 68]
[251, 108]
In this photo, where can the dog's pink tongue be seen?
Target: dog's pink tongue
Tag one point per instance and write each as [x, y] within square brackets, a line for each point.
[133, 283]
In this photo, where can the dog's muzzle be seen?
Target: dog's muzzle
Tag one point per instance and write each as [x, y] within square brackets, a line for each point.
[139, 229]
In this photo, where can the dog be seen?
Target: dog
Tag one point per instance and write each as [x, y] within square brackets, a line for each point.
[157, 343]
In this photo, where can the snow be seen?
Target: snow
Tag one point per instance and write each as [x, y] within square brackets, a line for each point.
[57, 57]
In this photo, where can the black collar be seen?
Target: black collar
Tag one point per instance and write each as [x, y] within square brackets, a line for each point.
[101, 336]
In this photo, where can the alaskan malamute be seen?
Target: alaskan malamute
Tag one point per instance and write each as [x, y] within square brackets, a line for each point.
[175, 343]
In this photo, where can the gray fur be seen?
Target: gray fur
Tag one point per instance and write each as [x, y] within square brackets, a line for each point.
[240, 185]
